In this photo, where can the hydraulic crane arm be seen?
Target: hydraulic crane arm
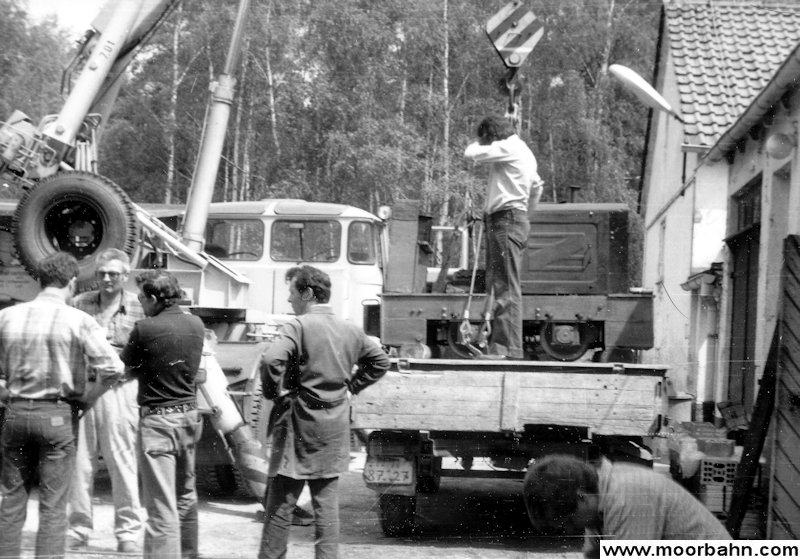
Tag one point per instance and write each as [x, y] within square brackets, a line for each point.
[106, 50]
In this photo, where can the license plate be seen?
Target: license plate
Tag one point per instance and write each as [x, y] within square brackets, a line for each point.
[396, 471]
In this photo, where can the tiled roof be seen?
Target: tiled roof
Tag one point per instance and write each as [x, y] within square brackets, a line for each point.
[725, 52]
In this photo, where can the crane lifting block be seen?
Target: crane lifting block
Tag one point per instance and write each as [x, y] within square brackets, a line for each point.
[514, 31]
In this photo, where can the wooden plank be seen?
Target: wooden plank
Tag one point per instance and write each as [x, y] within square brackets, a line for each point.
[464, 366]
[789, 473]
[779, 532]
[477, 422]
[788, 438]
[784, 502]
[547, 412]
[779, 383]
[509, 409]
[792, 383]
[429, 408]
[503, 400]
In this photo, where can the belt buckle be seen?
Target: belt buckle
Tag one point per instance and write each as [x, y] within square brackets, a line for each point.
[167, 410]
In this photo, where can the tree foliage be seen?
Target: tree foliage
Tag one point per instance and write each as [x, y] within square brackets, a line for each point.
[32, 56]
[347, 101]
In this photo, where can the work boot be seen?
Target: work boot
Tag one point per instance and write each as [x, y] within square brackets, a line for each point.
[127, 547]
[490, 357]
[302, 517]
[77, 543]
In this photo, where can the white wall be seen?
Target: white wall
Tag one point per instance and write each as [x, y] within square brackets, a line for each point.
[685, 216]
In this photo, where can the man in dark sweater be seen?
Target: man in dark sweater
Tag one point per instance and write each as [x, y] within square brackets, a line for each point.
[164, 352]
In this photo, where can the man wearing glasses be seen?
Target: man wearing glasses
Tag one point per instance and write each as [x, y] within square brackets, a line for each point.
[109, 428]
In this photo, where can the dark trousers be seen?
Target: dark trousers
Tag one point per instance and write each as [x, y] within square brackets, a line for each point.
[167, 446]
[38, 436]
[506, 238]
[281, 499]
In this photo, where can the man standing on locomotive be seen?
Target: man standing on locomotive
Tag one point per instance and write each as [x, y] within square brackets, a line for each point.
[513, 185]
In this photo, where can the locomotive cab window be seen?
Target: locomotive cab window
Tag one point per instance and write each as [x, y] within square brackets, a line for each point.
[362, 239]
[235, 239]
[305, 241]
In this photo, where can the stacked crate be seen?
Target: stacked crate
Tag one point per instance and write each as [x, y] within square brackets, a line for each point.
[717, 475]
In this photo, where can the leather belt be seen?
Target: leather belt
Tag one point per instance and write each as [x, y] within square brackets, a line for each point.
[315, 403]
[144, 411]
[508, 211]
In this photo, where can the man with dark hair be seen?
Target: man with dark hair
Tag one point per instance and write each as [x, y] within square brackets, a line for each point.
[614, 501]
[513, 182]
[109, 428]
[48, 352]
[163, 353]
[308, 373]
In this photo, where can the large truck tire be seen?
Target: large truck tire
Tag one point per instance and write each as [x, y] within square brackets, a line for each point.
[256, 412]
[216, 480]
[77, 212]
[398, 515]
[226, 480]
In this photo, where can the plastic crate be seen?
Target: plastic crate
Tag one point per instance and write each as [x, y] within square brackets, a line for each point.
[718, 470]
[716, 497]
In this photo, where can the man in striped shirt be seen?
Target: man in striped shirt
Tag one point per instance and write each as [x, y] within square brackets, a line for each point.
[48, 351]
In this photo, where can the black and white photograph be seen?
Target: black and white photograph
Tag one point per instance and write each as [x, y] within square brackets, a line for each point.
[443, 279]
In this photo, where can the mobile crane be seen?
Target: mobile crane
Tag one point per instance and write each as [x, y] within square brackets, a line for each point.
[66, 205]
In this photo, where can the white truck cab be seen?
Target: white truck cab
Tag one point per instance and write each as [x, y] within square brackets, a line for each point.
[263, 239]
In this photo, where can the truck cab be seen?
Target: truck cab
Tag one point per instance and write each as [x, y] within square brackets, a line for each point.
[261, 240]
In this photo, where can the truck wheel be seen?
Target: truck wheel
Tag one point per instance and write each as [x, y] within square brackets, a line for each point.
[77, 212]
[256, 412]
[567, 341]
[429, 484]
[397, 515]
[216, 480]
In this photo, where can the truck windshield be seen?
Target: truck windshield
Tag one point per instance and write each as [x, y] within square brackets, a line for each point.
[305, 240]
[235, 239]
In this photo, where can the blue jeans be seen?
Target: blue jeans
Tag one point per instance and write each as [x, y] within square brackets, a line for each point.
[506, 239]
[167, 445]
[281, 498]
[38, 436]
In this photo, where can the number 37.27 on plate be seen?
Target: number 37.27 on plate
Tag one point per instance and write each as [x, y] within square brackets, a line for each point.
[397, 471]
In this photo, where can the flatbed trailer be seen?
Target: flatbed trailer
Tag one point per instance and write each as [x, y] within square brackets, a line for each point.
[430, 418]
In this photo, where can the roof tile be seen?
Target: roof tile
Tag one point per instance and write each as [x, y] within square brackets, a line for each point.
[725, 52]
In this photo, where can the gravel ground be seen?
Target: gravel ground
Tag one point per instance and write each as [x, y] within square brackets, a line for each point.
[466, 519]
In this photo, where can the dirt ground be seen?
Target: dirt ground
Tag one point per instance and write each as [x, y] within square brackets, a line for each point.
[465, 519]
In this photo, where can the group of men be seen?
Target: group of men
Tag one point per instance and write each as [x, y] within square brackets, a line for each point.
[104, 373]
[112, 374]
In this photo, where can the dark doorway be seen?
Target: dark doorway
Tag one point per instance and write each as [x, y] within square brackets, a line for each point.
[744, 246]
